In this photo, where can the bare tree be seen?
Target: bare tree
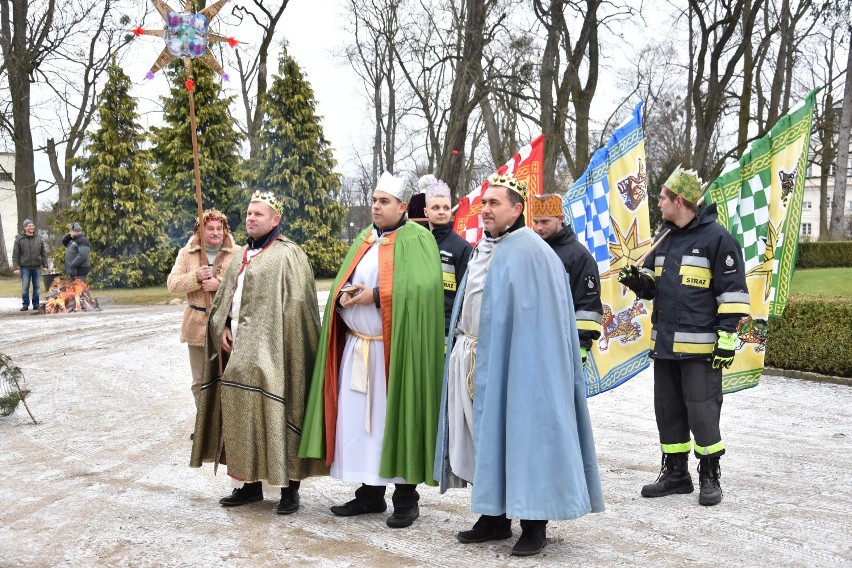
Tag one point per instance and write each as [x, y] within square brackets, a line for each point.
[253, 68]
[462, 104]
[375, 30]
[724, 28]
[24, 46]
[838, 201]
[74, 86]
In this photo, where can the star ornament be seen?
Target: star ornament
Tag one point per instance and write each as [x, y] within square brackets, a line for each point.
[187, 35]
[626, 249]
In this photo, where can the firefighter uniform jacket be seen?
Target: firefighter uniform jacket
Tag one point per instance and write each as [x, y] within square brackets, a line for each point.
[585, 283]
[455, 252]
[698, 285]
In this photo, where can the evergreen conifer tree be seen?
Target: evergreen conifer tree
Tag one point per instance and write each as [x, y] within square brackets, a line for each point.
[218, 148]
[296, 163]
[116, 204]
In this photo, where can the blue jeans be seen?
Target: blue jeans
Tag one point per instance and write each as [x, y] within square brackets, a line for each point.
[30, 275]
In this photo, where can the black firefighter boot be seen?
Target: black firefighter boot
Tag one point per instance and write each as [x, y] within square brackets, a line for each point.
[709, 473]
[674, 477]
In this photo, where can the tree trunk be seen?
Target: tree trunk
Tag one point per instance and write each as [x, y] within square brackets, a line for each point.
[4, 256]
[461, 104]
[838, 201]
[547, 84]
[745, 99]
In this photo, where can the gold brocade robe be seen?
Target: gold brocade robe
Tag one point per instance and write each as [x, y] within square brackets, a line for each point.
[250, 416]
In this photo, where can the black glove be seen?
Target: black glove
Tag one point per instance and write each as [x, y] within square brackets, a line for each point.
[632, 278]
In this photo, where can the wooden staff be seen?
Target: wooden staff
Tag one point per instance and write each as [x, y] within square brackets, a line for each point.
[190, 88]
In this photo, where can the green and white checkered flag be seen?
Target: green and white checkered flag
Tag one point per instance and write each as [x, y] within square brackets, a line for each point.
[759, 200]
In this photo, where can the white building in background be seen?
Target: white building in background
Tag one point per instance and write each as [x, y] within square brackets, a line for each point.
[8, 203]
[809, 229]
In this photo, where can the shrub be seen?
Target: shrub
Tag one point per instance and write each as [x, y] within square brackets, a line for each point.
[814, 334]
[824, 254]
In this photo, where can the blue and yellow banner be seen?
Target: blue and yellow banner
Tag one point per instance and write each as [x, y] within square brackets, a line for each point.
[608, 209]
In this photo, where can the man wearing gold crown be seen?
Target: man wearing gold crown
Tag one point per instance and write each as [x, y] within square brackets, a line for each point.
[514, 420]
[697, 281]
[373, 406]
[583, 275]
[261, 342]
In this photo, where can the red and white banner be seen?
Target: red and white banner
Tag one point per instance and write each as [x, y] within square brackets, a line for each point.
[526, 165]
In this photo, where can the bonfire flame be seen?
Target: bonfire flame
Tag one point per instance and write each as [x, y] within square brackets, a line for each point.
[68, 296]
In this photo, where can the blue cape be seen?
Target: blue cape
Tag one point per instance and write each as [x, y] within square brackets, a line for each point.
[535, 454]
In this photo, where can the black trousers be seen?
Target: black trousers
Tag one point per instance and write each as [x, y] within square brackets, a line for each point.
[404, 494]
[688, 397]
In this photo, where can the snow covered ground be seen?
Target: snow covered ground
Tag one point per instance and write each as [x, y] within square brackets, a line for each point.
[103, 479]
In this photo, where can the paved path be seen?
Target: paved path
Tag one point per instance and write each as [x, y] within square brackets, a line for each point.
[103, 480]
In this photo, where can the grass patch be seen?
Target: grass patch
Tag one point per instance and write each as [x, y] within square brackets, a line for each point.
[823, 282]
[11, 288]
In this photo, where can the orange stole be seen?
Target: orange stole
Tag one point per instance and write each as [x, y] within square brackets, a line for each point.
[337, 331]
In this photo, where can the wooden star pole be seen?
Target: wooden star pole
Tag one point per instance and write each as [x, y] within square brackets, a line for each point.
[164, 58]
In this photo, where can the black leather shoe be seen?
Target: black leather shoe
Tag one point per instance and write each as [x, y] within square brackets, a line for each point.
[358, 507]
[403, 517]
[289, 501]
[531, 542]
[24, 309]
[248, 493]
[487, 528]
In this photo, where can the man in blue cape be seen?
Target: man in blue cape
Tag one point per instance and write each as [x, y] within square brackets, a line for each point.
[514, 420]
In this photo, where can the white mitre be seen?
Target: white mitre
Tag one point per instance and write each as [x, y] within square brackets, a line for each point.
[392, 185]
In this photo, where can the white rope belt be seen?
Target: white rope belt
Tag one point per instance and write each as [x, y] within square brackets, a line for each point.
[359, 380]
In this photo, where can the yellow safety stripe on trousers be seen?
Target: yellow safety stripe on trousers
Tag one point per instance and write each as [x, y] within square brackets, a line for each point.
[681, 448]
[712, 449]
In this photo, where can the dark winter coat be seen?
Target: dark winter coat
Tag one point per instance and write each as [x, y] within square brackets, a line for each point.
[585, 282]
[698, 284]
[455, 252]
[29, 252]
[77, 261]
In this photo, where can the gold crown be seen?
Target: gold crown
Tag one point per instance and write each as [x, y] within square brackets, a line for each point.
[269, 198]
[686, 184]
[510, 182]
[548, 205]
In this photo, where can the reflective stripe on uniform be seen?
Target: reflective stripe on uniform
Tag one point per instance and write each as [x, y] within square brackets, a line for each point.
[450, 281]
[685, 342]
[712, 449]
[589, 315]
[695, 261]
[734, 303]
[659, 261]
[681, 448]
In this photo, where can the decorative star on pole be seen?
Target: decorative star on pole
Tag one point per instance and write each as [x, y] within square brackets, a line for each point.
[187, 35]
